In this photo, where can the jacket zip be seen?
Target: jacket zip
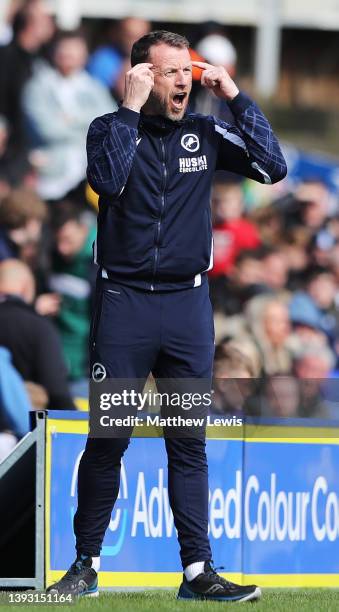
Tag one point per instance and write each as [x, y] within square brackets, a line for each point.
[162, 207]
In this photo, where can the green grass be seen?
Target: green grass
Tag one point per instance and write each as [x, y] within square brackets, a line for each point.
[316, 600]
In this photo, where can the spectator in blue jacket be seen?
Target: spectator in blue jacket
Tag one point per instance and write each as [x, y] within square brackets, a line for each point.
[14, 400]
[107, 62]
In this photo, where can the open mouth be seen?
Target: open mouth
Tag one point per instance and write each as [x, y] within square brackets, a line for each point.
[179, 99]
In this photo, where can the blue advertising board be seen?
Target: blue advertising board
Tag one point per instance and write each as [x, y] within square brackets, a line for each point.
[273, 510]
[291, 508]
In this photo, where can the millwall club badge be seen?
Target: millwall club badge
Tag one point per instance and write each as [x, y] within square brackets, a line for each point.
[98, 372]
[190, 142]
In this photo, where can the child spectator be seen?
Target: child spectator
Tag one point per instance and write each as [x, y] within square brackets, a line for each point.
[232, 232]
[22, 214]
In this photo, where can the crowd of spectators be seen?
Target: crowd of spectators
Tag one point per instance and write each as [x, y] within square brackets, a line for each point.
[275, 293]
[274, 285]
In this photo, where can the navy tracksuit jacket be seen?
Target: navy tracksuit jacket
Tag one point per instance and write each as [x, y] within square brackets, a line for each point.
[154, 179]
[153, 313]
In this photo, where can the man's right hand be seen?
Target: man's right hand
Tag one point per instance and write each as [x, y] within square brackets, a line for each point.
[138, 84]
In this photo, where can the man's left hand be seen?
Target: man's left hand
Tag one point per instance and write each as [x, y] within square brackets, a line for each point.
[218, 80]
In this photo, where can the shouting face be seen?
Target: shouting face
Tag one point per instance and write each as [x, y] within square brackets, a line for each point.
[172, 69]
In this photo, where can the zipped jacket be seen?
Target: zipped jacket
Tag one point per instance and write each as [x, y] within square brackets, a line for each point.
[154, 179]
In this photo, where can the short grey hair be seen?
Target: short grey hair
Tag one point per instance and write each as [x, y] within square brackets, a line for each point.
[316, 350]
[141, 47]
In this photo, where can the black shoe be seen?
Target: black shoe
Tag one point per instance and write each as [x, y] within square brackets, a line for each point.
[210, 586]
[81, 579]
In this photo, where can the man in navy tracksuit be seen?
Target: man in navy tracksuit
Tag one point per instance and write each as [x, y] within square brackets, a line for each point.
[152, 164]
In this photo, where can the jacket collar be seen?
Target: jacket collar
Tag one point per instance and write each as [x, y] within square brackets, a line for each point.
[161, 124]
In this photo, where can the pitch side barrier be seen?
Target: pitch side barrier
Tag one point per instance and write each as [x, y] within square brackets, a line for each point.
[22, 510]
[273, 505]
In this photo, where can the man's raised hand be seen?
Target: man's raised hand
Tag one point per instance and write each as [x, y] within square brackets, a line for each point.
[218, 80]
[138, 84]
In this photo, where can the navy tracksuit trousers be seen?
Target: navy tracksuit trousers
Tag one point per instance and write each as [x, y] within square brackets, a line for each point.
[136, 332]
